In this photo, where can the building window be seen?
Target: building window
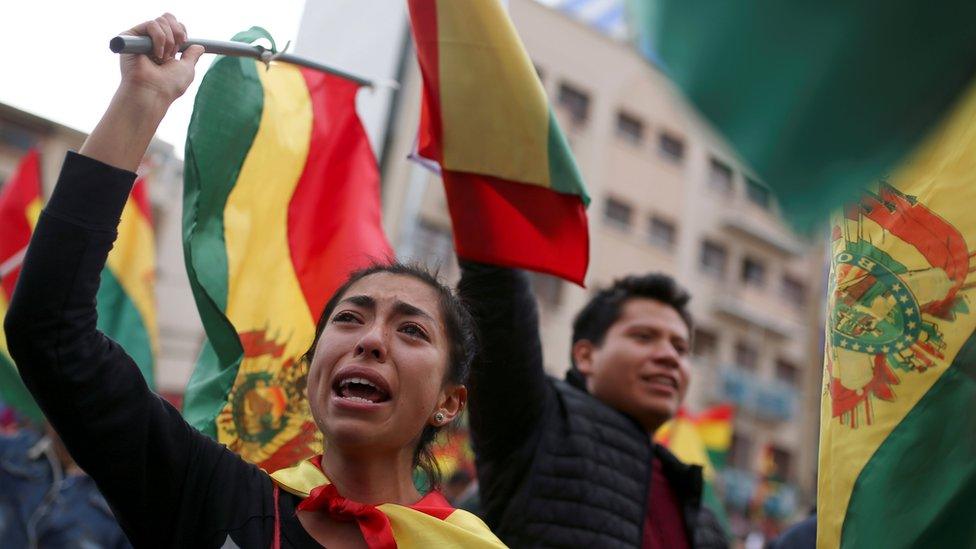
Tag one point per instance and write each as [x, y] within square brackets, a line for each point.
[794, 291]
[705, 344]
[720, 177]
[671, 147]
[713, 259]
[787, 372]
[753, 272]
[661, 232]
[740, 452]
[549, 289]
[618, 214]
[630, 128]
[575, 101]
[746, 355]
[758, 194]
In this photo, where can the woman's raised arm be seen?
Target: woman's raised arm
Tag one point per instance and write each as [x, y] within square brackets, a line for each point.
[158, 473]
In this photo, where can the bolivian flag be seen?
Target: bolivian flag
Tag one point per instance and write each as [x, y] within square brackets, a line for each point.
[429, 523]
[514, 192]
[281, 202]
[820, 98]
[898, 426]
[127, 292]
[20, 206]
[126, 295]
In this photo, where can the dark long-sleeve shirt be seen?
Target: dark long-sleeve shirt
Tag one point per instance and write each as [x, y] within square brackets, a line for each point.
[556, 466]
[168, 484]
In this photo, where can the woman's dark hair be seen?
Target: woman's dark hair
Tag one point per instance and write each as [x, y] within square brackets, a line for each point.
[461, 337]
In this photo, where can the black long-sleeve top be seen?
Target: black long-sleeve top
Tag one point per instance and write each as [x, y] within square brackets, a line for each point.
[168, 484]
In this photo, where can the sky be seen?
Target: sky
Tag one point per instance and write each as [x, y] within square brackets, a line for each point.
[58, 65]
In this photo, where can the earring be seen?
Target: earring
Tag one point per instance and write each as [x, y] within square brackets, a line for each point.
[439, 418]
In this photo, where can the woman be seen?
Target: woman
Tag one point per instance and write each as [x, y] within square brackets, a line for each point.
[391, 351]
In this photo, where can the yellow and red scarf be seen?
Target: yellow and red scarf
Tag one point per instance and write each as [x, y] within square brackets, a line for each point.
[429, 523]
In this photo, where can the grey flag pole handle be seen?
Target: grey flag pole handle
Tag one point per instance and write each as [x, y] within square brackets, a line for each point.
[143, 45]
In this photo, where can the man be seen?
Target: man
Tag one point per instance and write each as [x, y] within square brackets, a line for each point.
[46, 500]
[571, 463]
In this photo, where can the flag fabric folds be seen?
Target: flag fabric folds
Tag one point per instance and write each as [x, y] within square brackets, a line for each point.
[127, 292]
[515, 194]
[820, 98]
[431, 522]
[898, 425]
[281, 202]
[20, 206]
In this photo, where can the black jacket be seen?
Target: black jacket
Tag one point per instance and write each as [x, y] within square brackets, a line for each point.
[168, 484]
[556, 466]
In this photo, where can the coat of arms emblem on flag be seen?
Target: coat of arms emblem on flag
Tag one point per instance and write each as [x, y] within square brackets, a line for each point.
[886, 314]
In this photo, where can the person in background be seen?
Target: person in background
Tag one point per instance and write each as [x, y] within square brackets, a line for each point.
[802, 535]
[456, 485]
[571, 463]
[46, 500]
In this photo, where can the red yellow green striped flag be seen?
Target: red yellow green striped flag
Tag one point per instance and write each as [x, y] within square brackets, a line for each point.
[430, 522]
[898, 414]
[127, 292]
[515, 194]
[126, 300]
[281, 202]
[20, 206]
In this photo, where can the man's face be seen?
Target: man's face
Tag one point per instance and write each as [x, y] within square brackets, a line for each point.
[642, 367]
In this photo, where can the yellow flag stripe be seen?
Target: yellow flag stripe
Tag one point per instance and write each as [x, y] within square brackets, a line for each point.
[133, 262]
[34, 212]
[256, 217]
[494, 111]
[716, 434]
[416, 529]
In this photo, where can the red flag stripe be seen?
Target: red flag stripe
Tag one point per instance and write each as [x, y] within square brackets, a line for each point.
[334, 217]
[423, 17]
[530, 226]
[23, 188]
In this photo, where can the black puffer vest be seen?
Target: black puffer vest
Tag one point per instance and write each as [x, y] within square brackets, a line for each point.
[556, 466]
[587, 485]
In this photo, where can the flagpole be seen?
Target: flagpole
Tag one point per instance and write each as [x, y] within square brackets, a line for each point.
[143, 45]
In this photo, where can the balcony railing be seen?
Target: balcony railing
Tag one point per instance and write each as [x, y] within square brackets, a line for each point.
[779, 238]
[771, 400]
[736, 307]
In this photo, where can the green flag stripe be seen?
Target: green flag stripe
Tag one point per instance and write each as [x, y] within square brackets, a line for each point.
[919, 487]
[564, 175]
[822, 98]
[119, 319]
[13, 392]
[226, 116]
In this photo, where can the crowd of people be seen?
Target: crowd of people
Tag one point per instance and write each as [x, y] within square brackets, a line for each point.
[397, 357]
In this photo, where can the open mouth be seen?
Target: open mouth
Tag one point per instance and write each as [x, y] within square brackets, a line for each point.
[360, 389]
